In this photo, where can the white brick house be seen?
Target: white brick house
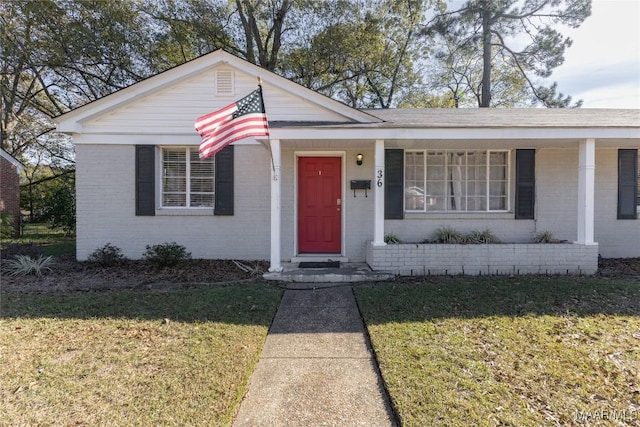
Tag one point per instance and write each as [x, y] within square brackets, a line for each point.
[516, 172]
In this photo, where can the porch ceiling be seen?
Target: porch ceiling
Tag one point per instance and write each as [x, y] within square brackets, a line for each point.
[342, 144]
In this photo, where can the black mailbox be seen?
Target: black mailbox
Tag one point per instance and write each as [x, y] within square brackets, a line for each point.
[360, 184]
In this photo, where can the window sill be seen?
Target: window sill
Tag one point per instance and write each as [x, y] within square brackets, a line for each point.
[184, 212]
[458, 215]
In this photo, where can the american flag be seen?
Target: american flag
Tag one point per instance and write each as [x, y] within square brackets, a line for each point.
[243, 118]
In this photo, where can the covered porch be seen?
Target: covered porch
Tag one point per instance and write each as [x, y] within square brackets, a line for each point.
[516, 256]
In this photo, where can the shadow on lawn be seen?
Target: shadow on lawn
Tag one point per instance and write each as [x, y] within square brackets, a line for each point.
[249, 304]
[463, 297]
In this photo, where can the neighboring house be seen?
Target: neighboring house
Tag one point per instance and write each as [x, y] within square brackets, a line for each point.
[303, 193]
[10, 169]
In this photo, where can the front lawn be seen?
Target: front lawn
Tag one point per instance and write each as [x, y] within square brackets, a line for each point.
[508, 351]
[170, 358]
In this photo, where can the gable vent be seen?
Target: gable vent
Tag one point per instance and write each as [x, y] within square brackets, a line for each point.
[224, 83]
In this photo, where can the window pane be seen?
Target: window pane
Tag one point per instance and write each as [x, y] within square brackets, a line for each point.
[456, 203]
[174, 156]
[497, 203]
[202, 169]
[201, 200]
[174, 184]
[175, 169]
[202, 185]
[436, 188]
[414, 181]
[477, 158]
[477, 188]
[201, 182]
[174, 180]
[477, 203]
[498, 188]
[178, 189]
[414, 198]
[456, 187]
[497, 173]
[435, 203]
[498, 158]
[456, 180]
[170, 199]
[435, 173]
[435, 158]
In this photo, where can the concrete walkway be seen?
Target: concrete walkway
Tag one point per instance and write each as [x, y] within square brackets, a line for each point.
[316, 368]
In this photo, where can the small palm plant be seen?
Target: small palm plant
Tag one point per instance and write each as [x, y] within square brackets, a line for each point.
[23, 265]
[480, 237]
[392, 239]
[545, 237]
[447, 235]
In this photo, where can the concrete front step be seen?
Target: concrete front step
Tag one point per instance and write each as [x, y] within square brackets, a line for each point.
[346, 273]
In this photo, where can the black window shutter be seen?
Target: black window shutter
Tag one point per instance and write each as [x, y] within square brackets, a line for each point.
[394, 184]
[525, 184]
[145, 180]
[627, 183]
[224, 182]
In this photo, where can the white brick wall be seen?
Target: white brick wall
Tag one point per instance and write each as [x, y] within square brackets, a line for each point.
[436, 259]
[618, 238]
[106, 209]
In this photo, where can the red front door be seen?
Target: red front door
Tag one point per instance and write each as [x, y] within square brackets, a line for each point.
[319, 204]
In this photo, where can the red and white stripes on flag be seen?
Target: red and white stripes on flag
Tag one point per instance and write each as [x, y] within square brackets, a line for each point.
[245, 117]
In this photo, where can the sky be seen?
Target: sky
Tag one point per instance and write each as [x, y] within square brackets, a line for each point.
[602, 67]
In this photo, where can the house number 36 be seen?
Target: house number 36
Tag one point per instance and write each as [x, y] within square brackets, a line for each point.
[379, 177]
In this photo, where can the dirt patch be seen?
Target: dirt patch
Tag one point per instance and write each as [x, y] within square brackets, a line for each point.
[70, 275]
[619, 268]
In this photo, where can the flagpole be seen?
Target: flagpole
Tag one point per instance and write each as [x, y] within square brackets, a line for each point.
[268, 144]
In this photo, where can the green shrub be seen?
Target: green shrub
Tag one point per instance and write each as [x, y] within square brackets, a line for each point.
[479, 237]
[6, 225]
[107, 256]
[60, 210]
[392, 239]
[544, 237]
[166, 254]
[451, 236]
[23, 265]
[447, 235]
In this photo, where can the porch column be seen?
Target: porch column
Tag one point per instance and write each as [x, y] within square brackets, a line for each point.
[586, 189]
[378, 183]
[276, 206]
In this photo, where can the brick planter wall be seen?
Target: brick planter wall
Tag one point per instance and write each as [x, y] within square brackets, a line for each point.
[419, 259]
[10, 192]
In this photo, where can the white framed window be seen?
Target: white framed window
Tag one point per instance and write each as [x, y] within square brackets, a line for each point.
[456, 180]
[187, 181]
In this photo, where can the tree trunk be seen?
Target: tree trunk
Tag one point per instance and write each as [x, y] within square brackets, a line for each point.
[485, 100]
[249, 54]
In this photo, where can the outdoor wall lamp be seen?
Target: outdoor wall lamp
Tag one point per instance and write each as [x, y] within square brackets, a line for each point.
[359, 157]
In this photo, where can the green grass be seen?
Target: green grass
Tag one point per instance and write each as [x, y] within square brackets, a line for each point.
[507, 351]
[50, 241]
[170, 358]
